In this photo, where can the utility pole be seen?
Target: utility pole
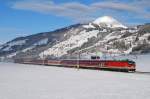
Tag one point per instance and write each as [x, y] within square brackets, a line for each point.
[78, 56]
[43, 59]
[78, 60]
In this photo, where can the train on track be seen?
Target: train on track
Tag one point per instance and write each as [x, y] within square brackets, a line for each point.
[117, 65]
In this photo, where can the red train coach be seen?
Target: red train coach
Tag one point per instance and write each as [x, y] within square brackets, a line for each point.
[121, 65]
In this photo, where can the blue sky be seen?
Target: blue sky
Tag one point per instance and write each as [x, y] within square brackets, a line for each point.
[25, 17]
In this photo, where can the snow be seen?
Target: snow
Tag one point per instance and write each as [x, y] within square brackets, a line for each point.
[88, 26]
[129, 50]
[7, 48]
[144, 37]
[45, 82]
[27, 49]
[123, 31]
[73, 42]
[109, 21]
[19, 42]
[143, 62]
[1, 47]
[12, 54]
[111, 36]
[9, 45]
[42, 42]
[104, 30]
[133, 31]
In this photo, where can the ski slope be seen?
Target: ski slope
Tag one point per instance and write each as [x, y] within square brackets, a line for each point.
[18, 81]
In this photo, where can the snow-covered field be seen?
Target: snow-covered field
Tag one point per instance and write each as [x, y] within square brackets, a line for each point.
[18, 81]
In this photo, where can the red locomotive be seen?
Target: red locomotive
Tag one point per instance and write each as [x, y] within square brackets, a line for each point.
[121, 65]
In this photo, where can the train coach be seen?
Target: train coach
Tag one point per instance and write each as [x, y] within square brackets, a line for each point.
[118, 65]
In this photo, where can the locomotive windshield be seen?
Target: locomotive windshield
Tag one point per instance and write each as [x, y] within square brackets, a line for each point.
[131, 62]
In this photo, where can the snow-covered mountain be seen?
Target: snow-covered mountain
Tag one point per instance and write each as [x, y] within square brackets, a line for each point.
[105, 34]
[109, 22]
[105, 21]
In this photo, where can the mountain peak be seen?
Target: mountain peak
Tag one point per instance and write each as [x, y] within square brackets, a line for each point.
[109, 22]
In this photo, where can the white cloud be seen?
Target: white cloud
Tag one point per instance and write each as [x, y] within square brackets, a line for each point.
[115, 6]
[79, 11]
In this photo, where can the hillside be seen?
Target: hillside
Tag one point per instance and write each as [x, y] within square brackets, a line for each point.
[105, 34]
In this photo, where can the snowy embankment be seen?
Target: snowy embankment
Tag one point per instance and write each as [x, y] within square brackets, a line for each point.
[18, 81]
